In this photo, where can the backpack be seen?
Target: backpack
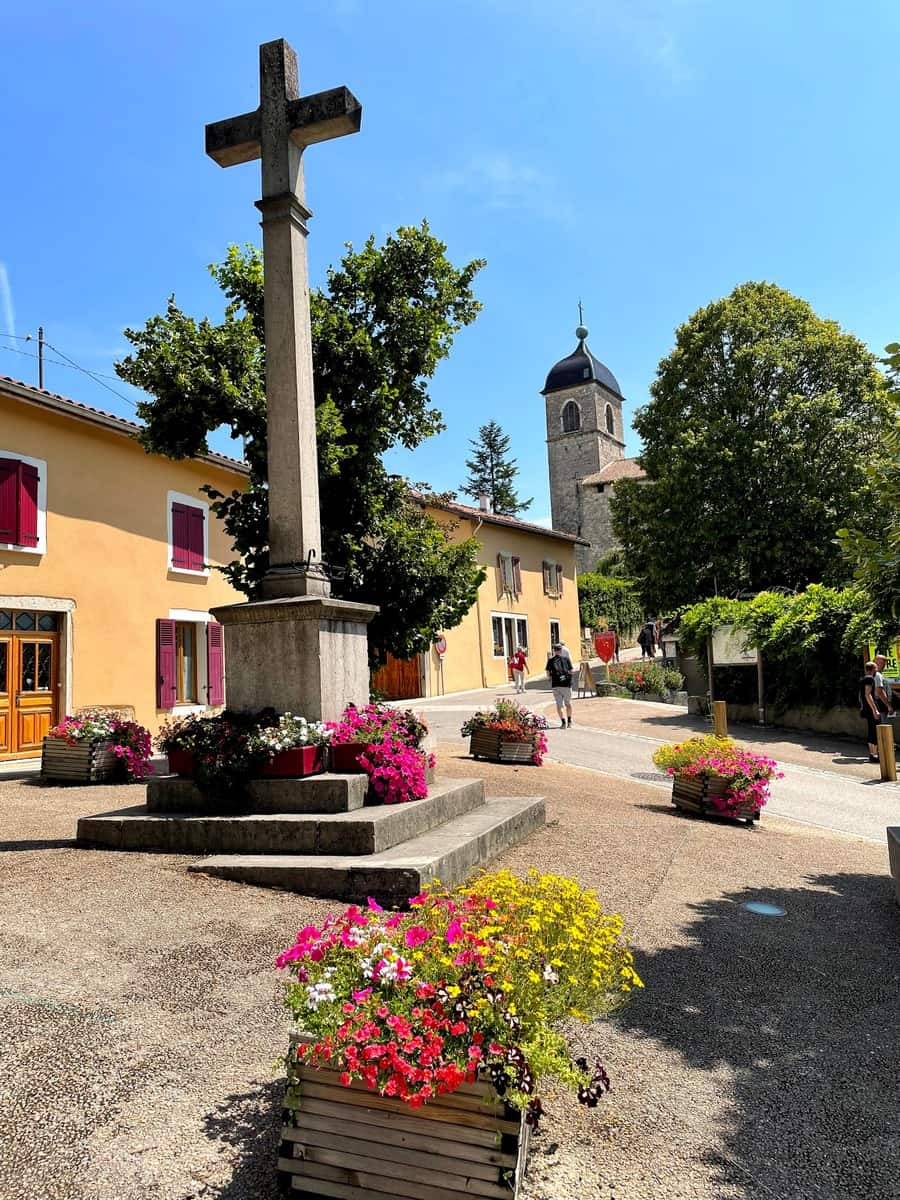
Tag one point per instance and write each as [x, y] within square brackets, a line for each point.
[560, 675]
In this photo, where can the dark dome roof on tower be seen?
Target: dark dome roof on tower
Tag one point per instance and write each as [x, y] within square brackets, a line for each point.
[580, 367]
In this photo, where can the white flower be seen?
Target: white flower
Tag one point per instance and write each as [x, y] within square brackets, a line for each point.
[318, 993]
[549, 974]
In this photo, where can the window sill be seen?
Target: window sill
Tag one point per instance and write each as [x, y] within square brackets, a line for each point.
[204, 574]
[188, 710]
[38, 550]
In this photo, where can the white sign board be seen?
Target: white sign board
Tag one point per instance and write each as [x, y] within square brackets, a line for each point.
[730, 650]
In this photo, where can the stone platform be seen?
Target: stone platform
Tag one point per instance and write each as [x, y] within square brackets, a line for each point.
[317, 836]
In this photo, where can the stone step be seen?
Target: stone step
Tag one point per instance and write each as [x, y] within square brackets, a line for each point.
[449, 853]
[324, 793]
[363, 831]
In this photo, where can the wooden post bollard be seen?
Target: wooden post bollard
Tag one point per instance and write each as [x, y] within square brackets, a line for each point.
[886, 755]
[720, 718]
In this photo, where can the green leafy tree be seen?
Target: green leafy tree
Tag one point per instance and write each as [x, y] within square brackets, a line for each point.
[760, 425]
[875, 555]
[610, 599]
[492, 473]
[384, 321]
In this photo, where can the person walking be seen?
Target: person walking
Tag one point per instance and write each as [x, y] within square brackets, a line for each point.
[884, 697]
[518, 666]
[615, 633]
[559, 669]
[646, 640]
[868, 709]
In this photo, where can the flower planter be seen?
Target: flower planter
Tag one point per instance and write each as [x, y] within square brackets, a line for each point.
[299, 760]
[345, 758]
[352, 1142]
[181, 762]
[81, 762]
[694, 793]
[489, 743]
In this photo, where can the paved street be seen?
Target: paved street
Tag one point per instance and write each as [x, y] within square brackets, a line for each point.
[827, 781]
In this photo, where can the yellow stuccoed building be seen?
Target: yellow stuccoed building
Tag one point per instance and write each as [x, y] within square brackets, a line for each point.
[529, 598]
[107, 558]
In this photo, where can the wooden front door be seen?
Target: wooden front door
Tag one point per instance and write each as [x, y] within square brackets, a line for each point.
[29, 673]
[399, 678]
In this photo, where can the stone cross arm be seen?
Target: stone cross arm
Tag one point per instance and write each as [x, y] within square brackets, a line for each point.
[309, 119]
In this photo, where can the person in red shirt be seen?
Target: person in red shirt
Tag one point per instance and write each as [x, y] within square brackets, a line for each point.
[519, 668]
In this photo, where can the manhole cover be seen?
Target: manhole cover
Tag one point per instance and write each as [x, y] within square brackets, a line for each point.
[762, 909]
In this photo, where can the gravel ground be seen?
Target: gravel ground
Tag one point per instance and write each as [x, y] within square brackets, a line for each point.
[142, 1015]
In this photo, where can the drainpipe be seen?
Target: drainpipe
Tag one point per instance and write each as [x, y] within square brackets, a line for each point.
[478, 617]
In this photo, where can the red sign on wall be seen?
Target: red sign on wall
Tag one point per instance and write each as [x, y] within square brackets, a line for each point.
[441, 646]
[605, 646]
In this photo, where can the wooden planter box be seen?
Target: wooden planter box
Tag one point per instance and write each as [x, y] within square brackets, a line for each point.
[83, 762]
[488, 743]
[352, 1143]
[693, 794]
[345, 759]
[288, 764]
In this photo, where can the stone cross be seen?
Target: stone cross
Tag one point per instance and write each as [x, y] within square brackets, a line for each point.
[277, 133]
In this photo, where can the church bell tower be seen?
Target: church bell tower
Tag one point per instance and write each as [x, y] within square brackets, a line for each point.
[585, 433]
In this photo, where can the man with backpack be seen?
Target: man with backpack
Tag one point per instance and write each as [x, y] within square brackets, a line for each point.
[559, 669]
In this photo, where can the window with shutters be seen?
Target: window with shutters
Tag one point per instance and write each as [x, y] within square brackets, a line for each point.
[509, 574]
[190, 663]
[188, 534]
[553, 577]
[23, 503]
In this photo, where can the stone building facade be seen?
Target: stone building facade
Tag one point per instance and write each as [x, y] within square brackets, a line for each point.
[585, 449]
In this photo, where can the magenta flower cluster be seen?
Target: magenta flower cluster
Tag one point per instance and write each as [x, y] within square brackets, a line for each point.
[748, 775]
[392, 759]
[396, 771]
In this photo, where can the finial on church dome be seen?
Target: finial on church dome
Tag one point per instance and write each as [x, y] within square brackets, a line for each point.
[582, 331]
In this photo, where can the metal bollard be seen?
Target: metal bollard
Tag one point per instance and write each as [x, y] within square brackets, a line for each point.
[720, 718]
[886, 756]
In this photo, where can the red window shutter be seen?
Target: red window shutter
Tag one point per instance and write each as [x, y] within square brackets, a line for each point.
[196, 557]
[559, 579]
[215, 663]
[545, 566]
[9, 500]
[517, 575]
[181, 546]
[165, 664]
[28, 505]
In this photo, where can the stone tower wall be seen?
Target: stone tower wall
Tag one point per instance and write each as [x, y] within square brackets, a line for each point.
[571, 456]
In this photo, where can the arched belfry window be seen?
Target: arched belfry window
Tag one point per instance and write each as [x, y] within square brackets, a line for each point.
[571, 417]
[610, 422]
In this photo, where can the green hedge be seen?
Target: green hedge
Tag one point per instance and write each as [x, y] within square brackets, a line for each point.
[607, 599]
[812, 643]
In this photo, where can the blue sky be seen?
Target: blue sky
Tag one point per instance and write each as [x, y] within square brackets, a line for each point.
[644, 157]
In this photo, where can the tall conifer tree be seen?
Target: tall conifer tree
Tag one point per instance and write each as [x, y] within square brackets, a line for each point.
[492, 473]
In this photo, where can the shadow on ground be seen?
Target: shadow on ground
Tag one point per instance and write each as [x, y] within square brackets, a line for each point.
[803, 1011]
[249, 1123]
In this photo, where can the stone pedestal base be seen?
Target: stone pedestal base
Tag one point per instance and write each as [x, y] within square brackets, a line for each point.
[307, 655]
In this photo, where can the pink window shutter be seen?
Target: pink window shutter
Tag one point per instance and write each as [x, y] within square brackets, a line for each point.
[196, 557]
[165, 664]
[559, 579]
[28, 505]
[181, 546]
[517, 575]
[215, 659]
[9, 500]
